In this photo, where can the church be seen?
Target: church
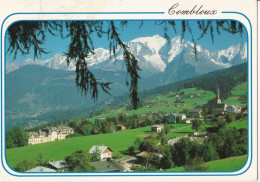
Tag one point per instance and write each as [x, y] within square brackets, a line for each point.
[220, 108]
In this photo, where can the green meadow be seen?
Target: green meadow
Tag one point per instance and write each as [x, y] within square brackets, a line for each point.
[58, 150]
[240, 89]
[228, 164]
[166, 103]
[239, 124]
[238, 95]
[121, 140]
[189, 99]
[183, 131]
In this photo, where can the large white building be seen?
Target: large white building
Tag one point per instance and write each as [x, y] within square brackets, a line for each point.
[49, 134]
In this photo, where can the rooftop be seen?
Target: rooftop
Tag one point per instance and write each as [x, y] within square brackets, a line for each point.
[57, 164]
[196, 110]
[99, 148]
[41, 169]
[157, 125]
[234, 106]
[175, 114]
[145, 153]
[107, 166]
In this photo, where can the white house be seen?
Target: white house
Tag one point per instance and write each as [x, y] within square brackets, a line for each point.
[181, 115]
[233, 109]
[186, 120]
[157, 128]
[104, 152]
[195, 134]
[195, 113]
[172, 117]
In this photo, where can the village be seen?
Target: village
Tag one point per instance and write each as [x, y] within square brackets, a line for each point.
[102, 156]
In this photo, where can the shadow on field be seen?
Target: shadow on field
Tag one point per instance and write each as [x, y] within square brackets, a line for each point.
[147, 132]
[124, 152]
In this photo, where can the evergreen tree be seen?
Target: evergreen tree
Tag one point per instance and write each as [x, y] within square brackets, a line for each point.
[166, 161]
[164, 139]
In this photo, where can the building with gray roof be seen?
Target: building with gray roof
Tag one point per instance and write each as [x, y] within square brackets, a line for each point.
[107, 166]
[57, 165]
[41, 169]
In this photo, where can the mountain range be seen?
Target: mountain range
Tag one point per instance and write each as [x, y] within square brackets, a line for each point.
[155, 55]
[35, 88]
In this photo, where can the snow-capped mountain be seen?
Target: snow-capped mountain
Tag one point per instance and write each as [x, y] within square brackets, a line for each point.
[12, 66]
[56, 62]
[155, 56]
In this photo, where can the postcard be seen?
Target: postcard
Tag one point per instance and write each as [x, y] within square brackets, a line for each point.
[128, 90]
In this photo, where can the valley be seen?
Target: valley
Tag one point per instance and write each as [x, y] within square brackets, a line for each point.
[120, 141]
[65, 101]
[191, 113]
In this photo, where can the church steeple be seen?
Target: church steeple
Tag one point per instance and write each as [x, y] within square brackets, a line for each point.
[218, 97]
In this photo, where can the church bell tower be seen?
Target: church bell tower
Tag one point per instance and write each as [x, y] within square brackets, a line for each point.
[218, 97]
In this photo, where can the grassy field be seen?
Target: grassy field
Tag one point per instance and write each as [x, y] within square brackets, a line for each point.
[183, 131]
[120, 141]
[238, 92]
[189, 100]
[166, 103]
[240, 89]
[57, 150]
[239, 124]
[228, 164]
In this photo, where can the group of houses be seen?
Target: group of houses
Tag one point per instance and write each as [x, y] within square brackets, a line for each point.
[219, 111]
[221, 108]
[104, 162]
[102, 155]
[172, 118]
[49, 134]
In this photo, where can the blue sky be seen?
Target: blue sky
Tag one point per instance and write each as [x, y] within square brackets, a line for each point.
[55, 44]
